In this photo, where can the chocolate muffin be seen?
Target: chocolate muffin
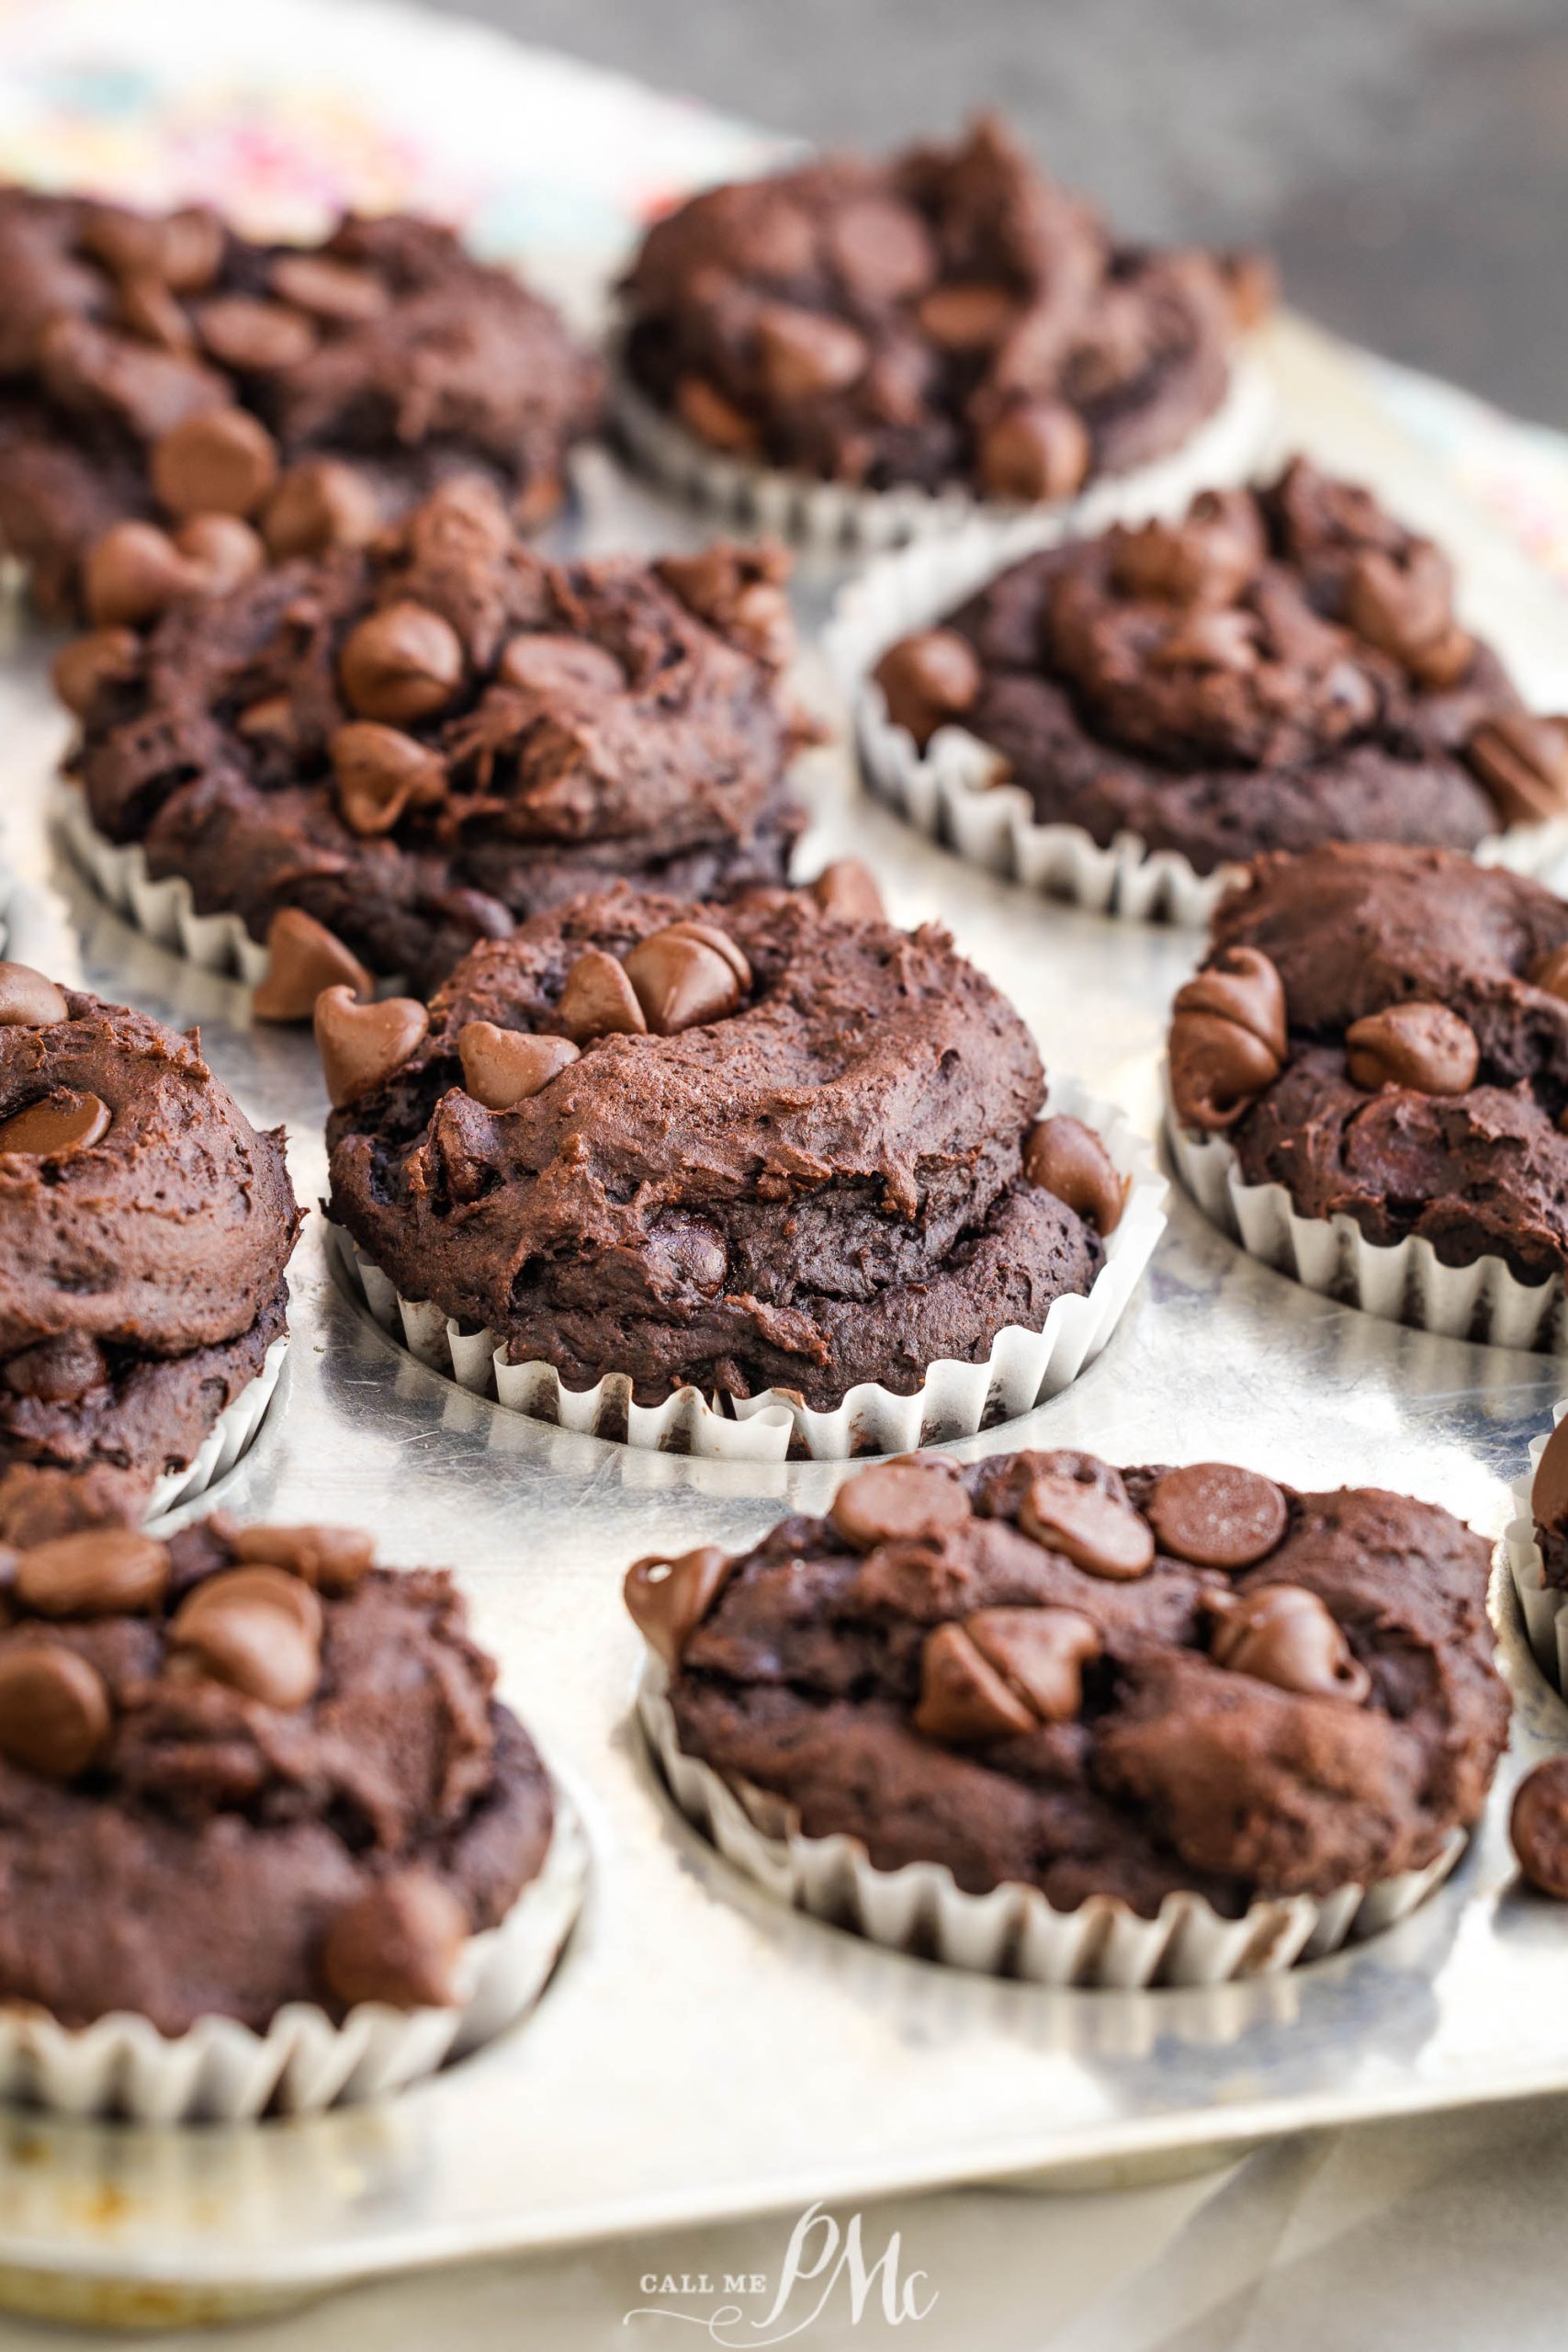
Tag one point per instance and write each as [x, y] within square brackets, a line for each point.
[416, 743]
[144, 1229]
[248, 1768]
[1282, 668]
[1384, 1032]
[755, 1147]
[1041, 1671]
[949, 319]
[174, 398]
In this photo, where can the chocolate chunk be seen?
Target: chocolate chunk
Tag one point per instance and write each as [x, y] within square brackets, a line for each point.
[266, 1584]
[328, 289]
[599, 1000]
[399, 1944]
[29, 1000]
[1217, 1516]
[63, 1121]
[103, 1572]
[504, 1066]
[681, 982]
[105, 657]
[1424, 1047]
[1241, 985]
[219, 461]
[333, 1559]
[55, 1710]
[1538, 1828]
[361, 1046]
[710, 934]
[304, 958]
[1037, 449]
[1523, 762]
[1105, 1537]
[1548, 1490]
[806, 353]
[848, 889]
[1283, 1634]
[252, 1645]
[669, 1599]
[964, 1700]
[322, 504]
[1217, 1069]
[380, 773]
[927, 679]
[1070, 1161]
[899, 1502]
[402, 662]
[1041, 1652]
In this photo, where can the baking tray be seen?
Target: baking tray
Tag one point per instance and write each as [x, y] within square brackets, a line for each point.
[705, 2052]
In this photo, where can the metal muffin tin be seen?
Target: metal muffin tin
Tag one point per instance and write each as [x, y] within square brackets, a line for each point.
[705, 2052]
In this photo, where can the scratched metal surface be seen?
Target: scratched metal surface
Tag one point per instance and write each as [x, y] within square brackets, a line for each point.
[703, 2051]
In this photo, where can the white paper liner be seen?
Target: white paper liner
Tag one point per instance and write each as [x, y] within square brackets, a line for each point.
[1545, 1608]
[956, 790]
[230, 1435]
[165, 911]
[839, 518]
[222, 2072]
[1013, 1930]
[1405, 1282]
[954, 1399]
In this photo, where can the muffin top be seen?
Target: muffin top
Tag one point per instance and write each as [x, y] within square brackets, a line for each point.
[246, 1768]
[742, 1146]
[416, 742]
[164, 370]
[138, 1206]
[949, 317]
[1096, 1681]
[1384, 1032]
[1281, 668]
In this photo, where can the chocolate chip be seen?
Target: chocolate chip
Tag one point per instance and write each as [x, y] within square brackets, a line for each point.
[328, 289]
[401, 1943]
[1063, 1157]
[103, 1572]
[222, 552]
[105, 657]
[964, 1700]
[1041, 1653]
[1098, 1534]
[504, 1066]
[402, 662]
[599, 1000]
[27, 1001]
[1538, 1828]
[704, 411]
[333, 1559]
[545, 662]
[881, 250]
[150, 310]
[1422, 1046]
[1207, 559]
[134, 572]
[1217, 1069]
[55, 1710]
[929, 679]
[899, 1502]
[252, 1645]
[320, 505]
[965, 316]
[63, 1121]
[805, 353]
[264, 1583]
[1284, 1634]
[255, 338]
[57, 1370]
[680, 981]
[304, 958]
[182, 248]
[669, 1599]
[848, 891]
[361, 1045]
[1243, 985]
[219, 461]
[1200, 640]
[1216, 1516]
[1551, 974]
[381, 772]
[1405, 607]
[709, 934]
[1523, 762]
[1036, 449]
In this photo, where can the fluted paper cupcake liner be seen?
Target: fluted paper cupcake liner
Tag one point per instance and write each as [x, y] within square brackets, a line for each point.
[231, 1436]
[1545, 1606]
[1405, 1282]
[165, 911]
[840, 518]
[954, 1400]
[956, 789]
[34, 929]
[1013, 1930]
[223, 2072]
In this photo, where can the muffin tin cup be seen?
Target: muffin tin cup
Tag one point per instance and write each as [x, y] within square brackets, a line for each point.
[1013, 1930]
[1403, 1282]
[1544, 1606]
[231, 1436]
[165, 911]
[837, 518]
[956, 790]
[954, 1399]
[222, 2072]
